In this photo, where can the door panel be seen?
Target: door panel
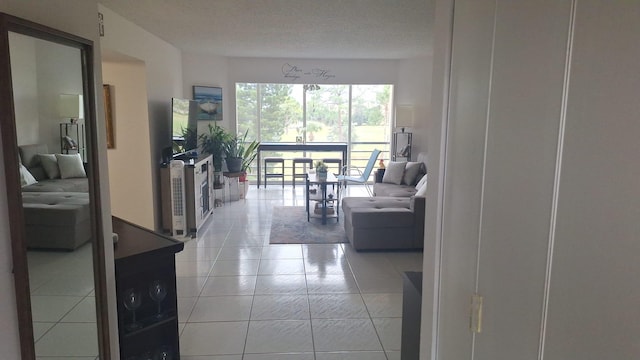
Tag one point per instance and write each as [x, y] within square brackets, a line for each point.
[470, 68]
[594, 296]
[526, 100]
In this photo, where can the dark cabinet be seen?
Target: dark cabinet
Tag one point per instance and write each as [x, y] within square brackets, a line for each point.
[411, 315]
[146, 291]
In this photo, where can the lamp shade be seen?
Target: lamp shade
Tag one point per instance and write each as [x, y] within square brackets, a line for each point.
[71, 106]
[404, 116]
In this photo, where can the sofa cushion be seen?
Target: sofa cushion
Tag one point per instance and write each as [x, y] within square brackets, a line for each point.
[377, 202]
[56, 209]
[70, 166]
[59, 185]
[381, 217]
[25, 177]
[394, 172]
[29, 157]
[29, 154]
[378, 212]
[50, 165]
[403, 191]
[411, 172]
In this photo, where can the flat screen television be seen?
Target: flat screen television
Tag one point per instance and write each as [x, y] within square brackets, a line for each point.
[184, 128]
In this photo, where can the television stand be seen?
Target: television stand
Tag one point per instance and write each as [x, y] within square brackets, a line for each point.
[187, 156]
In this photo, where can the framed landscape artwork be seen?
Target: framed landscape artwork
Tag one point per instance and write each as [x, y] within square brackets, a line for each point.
[209, 102]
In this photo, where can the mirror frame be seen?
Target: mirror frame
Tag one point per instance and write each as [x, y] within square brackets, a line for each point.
[9, 23]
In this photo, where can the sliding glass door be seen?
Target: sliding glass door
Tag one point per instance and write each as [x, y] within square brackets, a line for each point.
[359, 115]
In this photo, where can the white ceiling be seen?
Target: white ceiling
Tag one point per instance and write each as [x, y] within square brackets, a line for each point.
[321, 29]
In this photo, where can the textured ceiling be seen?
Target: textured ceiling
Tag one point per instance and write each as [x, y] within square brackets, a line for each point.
[337, 29]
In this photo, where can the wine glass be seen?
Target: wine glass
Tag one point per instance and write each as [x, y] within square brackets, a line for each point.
[163, 353]
[132, 299]
[158, 291]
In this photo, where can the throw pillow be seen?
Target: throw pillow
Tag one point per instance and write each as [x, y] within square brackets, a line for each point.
[411, 172]
[422, 181]
[50, 165]
[422, 192]
[70, 166]
[394, 172]
[25, 176]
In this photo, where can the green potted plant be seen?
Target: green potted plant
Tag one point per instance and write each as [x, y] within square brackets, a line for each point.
[321, 170]
[250, 153]
[189, 140]
[239, 154]
[214, 142]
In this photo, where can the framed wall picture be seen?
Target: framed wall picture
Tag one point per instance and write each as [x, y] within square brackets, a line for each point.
[108, 116]
[209, 102]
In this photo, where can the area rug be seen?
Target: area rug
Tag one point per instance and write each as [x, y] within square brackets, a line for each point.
[290, 226]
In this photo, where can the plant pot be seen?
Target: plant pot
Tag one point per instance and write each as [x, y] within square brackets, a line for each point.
[234, 165]
[322, 175]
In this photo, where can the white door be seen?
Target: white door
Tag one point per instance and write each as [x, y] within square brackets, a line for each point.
[508, 67]
[594, 298]
[542, 181]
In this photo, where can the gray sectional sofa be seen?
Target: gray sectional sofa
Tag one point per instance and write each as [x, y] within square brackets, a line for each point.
[392, 219]
[56, 210]
[29, 158]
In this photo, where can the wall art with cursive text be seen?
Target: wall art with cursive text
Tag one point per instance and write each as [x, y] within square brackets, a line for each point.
[294, 72]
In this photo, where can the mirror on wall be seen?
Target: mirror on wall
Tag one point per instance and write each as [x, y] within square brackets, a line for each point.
[54, 204]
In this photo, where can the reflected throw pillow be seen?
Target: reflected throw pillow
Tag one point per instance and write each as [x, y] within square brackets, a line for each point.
[394, 172]
[50, 165]
[25, 176]
[70, 166]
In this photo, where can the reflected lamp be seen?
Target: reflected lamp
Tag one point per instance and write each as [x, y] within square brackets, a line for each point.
[71, 106]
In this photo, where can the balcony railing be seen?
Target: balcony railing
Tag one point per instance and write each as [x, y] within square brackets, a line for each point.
[359, 154]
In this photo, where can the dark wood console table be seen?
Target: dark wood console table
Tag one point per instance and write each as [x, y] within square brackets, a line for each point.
[288, 147]
[411, 315]
[148, 324]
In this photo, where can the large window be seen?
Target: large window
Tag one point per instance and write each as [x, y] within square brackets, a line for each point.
[359, 115]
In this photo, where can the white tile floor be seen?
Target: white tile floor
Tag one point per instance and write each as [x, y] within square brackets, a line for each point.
[243, 299]
[240, 298]
[63, 304]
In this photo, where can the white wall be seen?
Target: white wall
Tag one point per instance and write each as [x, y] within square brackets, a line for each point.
[58, 73]
[129, 165]
[306, 71]
[414, 88]
[25, 85]
[164, 81]
[209, 70]
[73, 16]
[42, 71]
[411, 78]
